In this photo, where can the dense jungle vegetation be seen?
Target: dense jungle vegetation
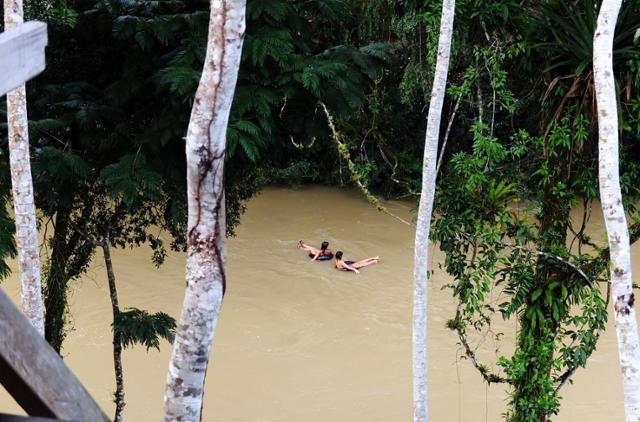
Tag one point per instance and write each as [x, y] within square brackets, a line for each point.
[518, 151]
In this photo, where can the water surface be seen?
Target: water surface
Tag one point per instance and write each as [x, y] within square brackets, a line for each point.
[300, 341]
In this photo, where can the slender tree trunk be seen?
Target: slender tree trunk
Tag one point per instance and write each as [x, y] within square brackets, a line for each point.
[532, 382]
[206, 253]
[479, 100]
[421, 253]
[446, 134]
[55, 287]
[117, 340]
[23, 203]
[66, 260]
[614, 216]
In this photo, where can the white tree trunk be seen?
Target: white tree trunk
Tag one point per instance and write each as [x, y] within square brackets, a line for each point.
[206, 255]
[421, 252]
[23, 203]
[614, 216]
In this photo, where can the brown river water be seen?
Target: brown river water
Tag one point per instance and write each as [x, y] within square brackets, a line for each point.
[303, 342]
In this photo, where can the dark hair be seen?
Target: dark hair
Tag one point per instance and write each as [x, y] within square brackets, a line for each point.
[339, 255]
[324, 245]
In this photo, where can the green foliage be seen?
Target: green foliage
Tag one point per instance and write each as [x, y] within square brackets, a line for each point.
[565, 34]
[538, 398]
[291, 62]
[130, 179]
[63, 15]
[288, 65]
[494, 248]
[246, 134]
[532, 257]
[107, 140]
[110, 113]
[135, 326]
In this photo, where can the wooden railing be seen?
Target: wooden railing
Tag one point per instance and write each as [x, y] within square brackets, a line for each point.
[35, 376]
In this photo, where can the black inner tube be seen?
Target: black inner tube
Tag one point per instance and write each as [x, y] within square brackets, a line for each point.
[348, 263]
[327, 257]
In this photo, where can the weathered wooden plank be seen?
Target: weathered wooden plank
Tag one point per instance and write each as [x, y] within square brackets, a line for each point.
[35, 376]
[14, 418]
[21, 54]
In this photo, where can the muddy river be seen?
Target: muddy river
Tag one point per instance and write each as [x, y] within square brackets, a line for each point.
[302, 342]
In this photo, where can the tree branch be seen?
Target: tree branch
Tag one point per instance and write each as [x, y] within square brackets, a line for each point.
[488, 376]
[344, 153]
[446, 134]
[458, 325]
[566, 376]
[600, 262]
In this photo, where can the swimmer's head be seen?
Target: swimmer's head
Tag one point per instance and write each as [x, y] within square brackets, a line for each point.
[339, 255]
[324, 245]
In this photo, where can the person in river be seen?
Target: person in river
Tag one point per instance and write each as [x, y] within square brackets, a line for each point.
[324, 253]
[352, 265]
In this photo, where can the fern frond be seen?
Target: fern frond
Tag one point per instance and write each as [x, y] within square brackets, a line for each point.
[136, 326]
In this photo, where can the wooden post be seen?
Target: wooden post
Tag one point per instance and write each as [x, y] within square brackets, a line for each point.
[35, 376]
[21, 54]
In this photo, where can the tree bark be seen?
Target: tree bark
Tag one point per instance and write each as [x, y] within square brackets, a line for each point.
[23, 202]
[421, 253]
[206, 253]
[117, 340]
[612, 208]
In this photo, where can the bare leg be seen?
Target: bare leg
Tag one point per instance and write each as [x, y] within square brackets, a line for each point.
[307, 248]
[365, 262]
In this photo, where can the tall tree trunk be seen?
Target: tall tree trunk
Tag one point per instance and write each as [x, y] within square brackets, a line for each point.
[117, 340]
[206, 253]
[421, 253]
[532, 383]
[23, 203]
[614, 216]
[69, 254]
[55, 286]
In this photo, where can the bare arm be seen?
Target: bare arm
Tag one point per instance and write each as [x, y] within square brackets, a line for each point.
[350, 268]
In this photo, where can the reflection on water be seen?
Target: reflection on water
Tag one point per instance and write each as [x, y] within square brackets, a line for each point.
[300, 341]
